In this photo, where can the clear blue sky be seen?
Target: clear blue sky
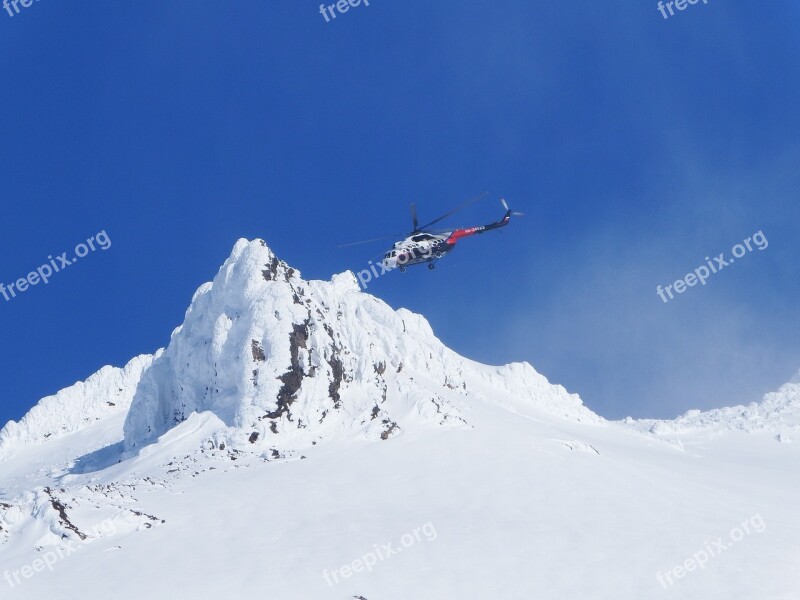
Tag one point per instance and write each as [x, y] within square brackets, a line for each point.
[635, 145]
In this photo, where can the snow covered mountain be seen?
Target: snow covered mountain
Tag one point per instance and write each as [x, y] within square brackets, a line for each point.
[303, 440]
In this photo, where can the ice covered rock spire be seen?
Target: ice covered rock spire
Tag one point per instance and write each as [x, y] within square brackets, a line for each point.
[274, 356]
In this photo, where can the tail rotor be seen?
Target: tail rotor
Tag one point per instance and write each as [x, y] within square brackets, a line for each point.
[508, 210]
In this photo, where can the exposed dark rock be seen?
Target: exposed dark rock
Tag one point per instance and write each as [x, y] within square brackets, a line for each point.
[272, 269]
[62, 513]
[258, 351]
[297, 339]
[337, 375]
[293, 378]
[390, 429]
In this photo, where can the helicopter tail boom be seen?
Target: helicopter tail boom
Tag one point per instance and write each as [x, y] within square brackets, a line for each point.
[468, 231]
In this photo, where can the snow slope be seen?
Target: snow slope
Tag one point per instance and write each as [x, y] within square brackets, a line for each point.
[302, 440]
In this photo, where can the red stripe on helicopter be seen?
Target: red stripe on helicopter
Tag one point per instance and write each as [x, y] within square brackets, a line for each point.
[460, 233]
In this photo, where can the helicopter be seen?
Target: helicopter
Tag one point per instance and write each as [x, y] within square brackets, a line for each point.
[425, 246]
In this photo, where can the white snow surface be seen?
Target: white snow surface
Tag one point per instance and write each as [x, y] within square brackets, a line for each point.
[302, 440]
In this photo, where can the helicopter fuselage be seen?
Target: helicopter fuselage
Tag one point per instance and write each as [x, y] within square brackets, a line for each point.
[423, 247]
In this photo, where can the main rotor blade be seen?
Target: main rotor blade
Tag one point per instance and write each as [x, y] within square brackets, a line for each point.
[455, 210]
[414, 216]
[377, 239]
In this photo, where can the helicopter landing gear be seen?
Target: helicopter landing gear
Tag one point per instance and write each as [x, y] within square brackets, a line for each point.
[431, 265]
[402, 269]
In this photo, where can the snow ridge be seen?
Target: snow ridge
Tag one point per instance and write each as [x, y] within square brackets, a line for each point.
[110, 390]
[778, 412]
